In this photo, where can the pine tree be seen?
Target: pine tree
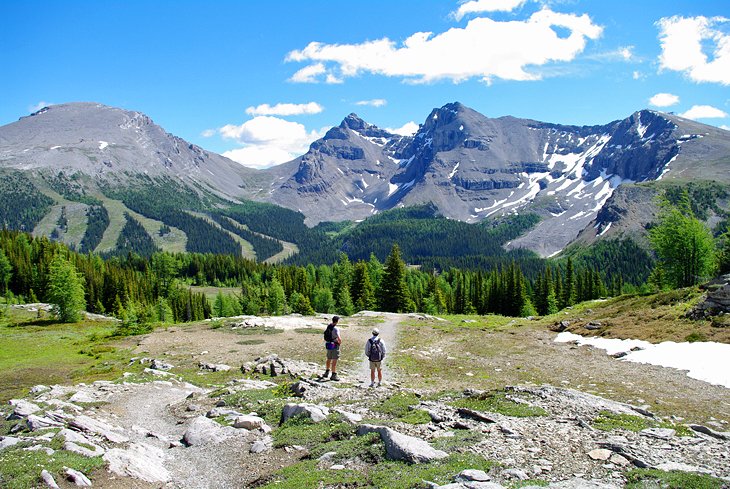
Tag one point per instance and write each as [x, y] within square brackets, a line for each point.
[363, 292]
[276, 300]
[65, 290]
[569, 291]
[394, 296]
[6, 271]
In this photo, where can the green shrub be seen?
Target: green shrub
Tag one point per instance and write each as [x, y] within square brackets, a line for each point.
[497, 402]
[641, 478]
[301, 430]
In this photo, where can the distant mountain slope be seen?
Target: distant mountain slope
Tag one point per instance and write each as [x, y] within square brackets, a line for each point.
[472, 167]
[466, 166]
[108, 143]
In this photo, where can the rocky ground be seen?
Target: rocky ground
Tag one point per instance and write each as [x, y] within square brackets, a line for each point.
[154, 429]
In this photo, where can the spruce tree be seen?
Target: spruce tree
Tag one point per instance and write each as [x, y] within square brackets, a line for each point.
[65, 290]
[363, 292]
[393, 292]
[5, 271]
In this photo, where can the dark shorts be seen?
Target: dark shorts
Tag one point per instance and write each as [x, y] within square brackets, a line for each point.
[333, 354]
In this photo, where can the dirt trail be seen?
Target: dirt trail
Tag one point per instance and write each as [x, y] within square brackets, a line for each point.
[388, 334]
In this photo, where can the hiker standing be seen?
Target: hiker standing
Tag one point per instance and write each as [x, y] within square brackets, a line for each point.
[375, 351]
[332, 343]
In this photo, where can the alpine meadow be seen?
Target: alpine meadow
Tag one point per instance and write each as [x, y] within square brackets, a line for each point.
[459, 244]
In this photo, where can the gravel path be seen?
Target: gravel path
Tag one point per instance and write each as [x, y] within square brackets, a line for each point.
[388, 334]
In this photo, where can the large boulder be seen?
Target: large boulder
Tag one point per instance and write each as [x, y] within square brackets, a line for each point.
[203, 431]
[91, 425]
[314, 412]
[403, 447]
[139, 460]
[22, 409]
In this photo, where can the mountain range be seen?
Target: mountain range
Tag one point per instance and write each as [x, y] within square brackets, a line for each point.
[467, 166]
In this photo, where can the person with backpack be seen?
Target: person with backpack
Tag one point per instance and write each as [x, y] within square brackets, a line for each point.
[332, 341]
[375, 351]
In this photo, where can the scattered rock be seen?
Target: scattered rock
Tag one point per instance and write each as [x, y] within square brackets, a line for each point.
[217, 412]
[515, 474]
[22, 409]
[593, 325]
[8, 441]
[91, 425]
[248, 422]
[473, 475]
[660, 433]
[600, 454]
[36, 423]
[214, 367]
[314, 412]
[78, 443]
[48, 479]
[77, 478]
[709, 432]
[403, 447]
[140, 460]
[262, 445]
[682, 467]
[337, 467]
[351, 418]
[475, 415]
[203, 431]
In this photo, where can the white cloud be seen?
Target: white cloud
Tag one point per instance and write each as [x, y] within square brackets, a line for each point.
[407, 129]
[208, 133]
[285, 109]
[664, 100]
[39, 106]
[479, 6]
[704, 112]
[268, 141]
[484, 48]
[308, 74]
[376, 102]
[683, 39]
[637, 75]
[627, 52]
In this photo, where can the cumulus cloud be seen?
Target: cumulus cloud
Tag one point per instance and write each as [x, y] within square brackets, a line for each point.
[484, 48]
[208, 133]
[664, 100]
[285, 109]
[684, 41]
[407, 129]
[637, 75]
[376, 102]
[479, 6]
[267, 141]
[704, 112]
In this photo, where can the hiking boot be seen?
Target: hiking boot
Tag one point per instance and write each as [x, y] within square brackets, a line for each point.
[372, 384]
[378, 384]
[335, 377]
[326, 374]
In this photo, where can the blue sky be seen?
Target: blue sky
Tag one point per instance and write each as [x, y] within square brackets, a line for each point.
[259, 81]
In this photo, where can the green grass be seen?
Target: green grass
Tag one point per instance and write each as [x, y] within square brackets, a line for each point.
[385, 474]
[650, 478]
[461, 438]
[20, 469]
[268, 403]
[497, 402]
[257, 330]
[400, 407]
[301, 430]
[608, 421]
[41, 351]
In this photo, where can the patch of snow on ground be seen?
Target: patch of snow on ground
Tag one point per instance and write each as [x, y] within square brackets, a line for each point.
[666, 167]
[605, 230]
[706, 361]
[453, 172]
[340, 170]
[392, 188]
[55, 147]
[103, 144]
[364, 183]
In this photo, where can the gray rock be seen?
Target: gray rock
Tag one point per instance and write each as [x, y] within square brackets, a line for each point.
[327, 456]
[78, 443]
[262, 445]
[140, 460]
[157, 373]
[579, 483]
[660, 433]
[8, 441]
[160, 365]
[473, 475]
[314, 412]
[600, 454]
[22, 409]
[77, 478]
[403, 447]
[48, 479]
[36, 423]
[516, 474]
[337, 467]
[91, 425]
[213, 367]
[709, 432]
[222, 411]
[192, 408]
[351, 418]
[249, 422]
[682, 467]
[203, 431]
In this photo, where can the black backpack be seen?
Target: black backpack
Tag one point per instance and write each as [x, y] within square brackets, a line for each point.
[376, 351]
[329, 334]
